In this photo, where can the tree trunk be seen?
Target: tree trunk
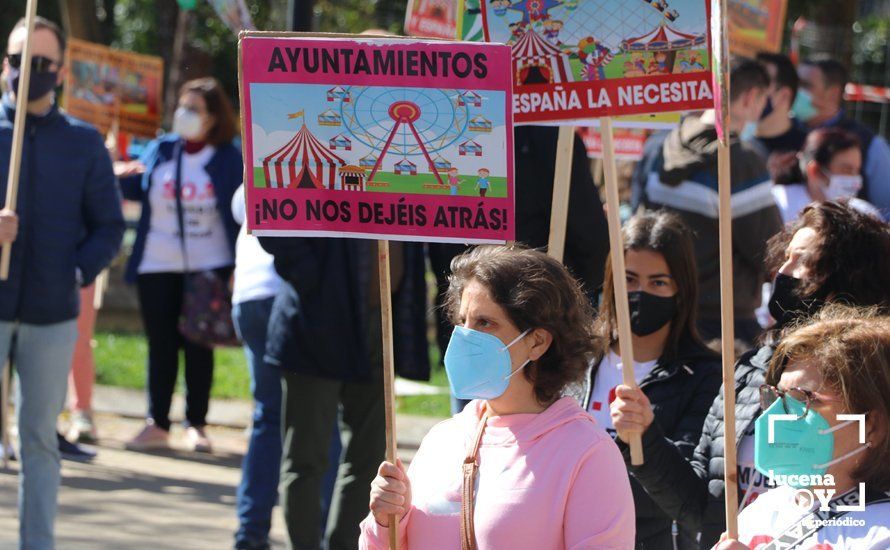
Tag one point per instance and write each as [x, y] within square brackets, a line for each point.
[830, 29]
[80, 20]
[177, 62]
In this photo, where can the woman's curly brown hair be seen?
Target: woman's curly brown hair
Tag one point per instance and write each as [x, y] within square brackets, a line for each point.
[851, 260]
[536, 291]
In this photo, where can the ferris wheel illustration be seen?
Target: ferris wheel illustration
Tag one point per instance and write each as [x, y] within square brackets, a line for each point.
[404, 123]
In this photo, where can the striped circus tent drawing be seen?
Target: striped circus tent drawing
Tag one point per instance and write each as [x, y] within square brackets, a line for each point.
[536, 61]
[303, 162]
[663, 39]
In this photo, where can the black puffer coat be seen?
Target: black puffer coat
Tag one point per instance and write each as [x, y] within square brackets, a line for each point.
[681, 390]
[692, 491]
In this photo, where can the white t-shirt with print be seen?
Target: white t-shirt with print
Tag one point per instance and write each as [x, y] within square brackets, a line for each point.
[752, 483]
[207, 246]
[777, 510]
[608, 376]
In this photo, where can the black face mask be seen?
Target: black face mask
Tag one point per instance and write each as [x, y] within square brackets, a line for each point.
[649, 312]
[785, 303]
[41, 83]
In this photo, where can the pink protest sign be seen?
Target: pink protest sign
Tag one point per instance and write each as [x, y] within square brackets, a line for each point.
[378, 138]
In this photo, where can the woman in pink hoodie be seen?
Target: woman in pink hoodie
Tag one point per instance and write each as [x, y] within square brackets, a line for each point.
[534, 468]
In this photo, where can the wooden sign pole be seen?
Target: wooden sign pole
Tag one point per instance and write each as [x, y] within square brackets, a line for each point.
[388, 372]
[722, 95]
[727, 341]
[18, 132]
[562, 181]
[616, 246]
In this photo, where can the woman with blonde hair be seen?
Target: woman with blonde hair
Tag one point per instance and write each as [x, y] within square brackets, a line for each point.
[827, 378]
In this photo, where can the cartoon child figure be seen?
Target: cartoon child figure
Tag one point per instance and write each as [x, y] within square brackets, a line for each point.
[500, 7]
[629, 69]
[517, 29]
[453, 180]
[640, 64]
[653, 67]
[551, 31]
[661, 60]
[482, 183]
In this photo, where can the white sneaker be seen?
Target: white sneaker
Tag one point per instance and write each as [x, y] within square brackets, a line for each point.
[150, 438]
[82, 428]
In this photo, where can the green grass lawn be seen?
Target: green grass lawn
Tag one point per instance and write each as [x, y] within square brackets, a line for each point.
[415, 184]
[120, 361]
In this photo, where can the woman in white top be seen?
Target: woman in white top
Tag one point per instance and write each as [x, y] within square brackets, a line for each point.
[185, 188]
[256, 284]
[826, 408]
[830, 167]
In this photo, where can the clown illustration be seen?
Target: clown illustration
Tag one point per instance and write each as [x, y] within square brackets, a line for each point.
[594, 57]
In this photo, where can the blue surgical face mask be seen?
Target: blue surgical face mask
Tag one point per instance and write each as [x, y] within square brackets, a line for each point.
[478, 364]
[800, 447]
[803, 107]
[749, 132]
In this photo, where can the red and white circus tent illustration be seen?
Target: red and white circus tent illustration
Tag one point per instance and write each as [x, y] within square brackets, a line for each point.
[303, 162]
[663, 38]
[536, 61]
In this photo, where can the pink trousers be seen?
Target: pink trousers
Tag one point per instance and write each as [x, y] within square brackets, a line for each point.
[83, 368]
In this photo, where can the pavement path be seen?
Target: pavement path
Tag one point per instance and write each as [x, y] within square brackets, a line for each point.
[175, 499]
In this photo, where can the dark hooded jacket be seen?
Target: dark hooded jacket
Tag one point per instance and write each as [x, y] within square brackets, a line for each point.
[326, 316]
[690, 489]
[683, 179]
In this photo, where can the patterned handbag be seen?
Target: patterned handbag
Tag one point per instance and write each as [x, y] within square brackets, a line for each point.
[206, 314]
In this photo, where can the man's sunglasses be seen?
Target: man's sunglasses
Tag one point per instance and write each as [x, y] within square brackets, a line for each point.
[39, 63]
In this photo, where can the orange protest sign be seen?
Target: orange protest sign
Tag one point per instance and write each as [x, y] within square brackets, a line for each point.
[105, 84]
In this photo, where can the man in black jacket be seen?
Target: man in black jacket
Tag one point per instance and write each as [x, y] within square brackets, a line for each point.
[325, 334]
[68, 226]
[683, 179]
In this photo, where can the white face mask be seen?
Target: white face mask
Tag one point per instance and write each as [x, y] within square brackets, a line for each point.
[842, 186]
[188, 124]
